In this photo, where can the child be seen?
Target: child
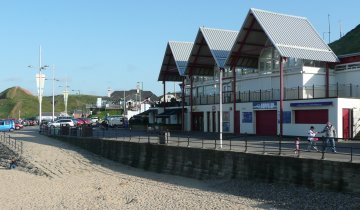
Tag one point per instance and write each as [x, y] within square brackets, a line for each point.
[312, 139]
[297, 145]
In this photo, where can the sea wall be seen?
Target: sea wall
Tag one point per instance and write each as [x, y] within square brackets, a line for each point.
[217, 164]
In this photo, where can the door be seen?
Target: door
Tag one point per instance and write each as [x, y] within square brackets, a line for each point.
[208, 121]
[237, 122]
[346, 123]
[214, 122]
[266, 122]
[198, 121]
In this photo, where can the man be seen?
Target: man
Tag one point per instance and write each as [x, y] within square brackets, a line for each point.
[330, 134]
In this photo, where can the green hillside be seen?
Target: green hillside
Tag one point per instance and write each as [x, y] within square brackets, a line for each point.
[17, 101]
[350, 43]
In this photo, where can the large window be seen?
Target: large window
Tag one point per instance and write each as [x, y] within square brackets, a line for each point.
[315, 116]
[269, 60]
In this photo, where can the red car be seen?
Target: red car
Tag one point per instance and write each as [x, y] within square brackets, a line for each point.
[18, 125]
[79, 122]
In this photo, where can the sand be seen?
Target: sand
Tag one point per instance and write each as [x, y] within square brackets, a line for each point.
[76, 179]
[54, 175]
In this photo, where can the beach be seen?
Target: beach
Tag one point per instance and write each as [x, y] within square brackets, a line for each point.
[55, 175]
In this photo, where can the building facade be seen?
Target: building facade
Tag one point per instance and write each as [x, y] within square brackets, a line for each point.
[275, 76]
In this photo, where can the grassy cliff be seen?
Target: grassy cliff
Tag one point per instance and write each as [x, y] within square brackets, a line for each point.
[17, 101]
[350, 43]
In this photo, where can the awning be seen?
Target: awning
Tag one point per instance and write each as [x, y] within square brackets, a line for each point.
[168, 112]
[147, 112]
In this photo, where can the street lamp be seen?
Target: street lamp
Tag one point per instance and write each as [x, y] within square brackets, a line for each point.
[66, 95]
[53, 93]
[40, 80]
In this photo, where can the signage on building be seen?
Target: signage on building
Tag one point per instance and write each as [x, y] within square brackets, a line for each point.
[324, 103]
[265, 105]
[247, 117]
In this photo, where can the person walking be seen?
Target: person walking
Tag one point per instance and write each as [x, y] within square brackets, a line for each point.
[297, 145]
[330, 134]
[312, 139]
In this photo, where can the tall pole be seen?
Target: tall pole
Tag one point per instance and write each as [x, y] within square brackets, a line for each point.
[124, 103]
[53, 94]
[221, 108]
[329, 26]
[40, 94]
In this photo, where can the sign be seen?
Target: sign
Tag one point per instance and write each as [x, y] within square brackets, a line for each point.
[265, 105]
[247, 117]
[324, 103]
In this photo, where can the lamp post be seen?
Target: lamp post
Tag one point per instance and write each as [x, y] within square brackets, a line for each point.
[66, 95]
[53, 93]
[40, 81]
[221, 108]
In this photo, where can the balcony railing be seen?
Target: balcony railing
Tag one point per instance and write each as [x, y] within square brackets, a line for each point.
[297, 93]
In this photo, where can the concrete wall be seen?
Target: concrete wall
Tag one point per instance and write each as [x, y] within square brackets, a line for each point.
[214, 164]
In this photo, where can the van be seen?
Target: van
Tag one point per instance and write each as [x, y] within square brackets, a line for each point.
[7, 125]
[115, 121]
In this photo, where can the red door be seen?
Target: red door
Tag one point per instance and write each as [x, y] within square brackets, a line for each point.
[237, 122]
[346, 123]
[266, 122]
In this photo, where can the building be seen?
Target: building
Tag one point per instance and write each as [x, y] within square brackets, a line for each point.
[275, 76]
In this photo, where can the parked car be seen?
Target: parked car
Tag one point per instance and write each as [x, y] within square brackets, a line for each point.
[87, 121]
[7, 125]
[115, 121]
[94, 120]
[61, 122]
[18, 125]
[78, 122]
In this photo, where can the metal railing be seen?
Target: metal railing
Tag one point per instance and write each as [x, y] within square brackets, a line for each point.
[295, 93]
[12, 143]
[249, 144]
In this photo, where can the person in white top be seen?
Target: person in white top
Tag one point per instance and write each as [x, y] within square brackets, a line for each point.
[312, 139]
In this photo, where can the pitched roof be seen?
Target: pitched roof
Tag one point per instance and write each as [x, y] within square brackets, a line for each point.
[211, 49]
[175, 61]
[132, 94]
[292, 36]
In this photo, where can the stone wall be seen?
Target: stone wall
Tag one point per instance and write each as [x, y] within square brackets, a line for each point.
[216, 164]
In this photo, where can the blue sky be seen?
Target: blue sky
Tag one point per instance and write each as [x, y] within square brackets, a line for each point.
[117, 43]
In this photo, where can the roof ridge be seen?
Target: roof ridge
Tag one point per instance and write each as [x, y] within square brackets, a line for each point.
[276, 13]
[218, 29]
[187, 42]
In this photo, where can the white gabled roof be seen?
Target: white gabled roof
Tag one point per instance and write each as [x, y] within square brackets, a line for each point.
[181, 52]
[220, 43]
[294, 36]
[211, 48]
[175, 61]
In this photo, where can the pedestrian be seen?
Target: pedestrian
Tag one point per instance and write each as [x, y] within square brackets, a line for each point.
[12, 163]
[330, 134]
[312, 139]
[297, 145]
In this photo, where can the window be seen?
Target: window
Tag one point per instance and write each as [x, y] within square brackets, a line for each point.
[316, 116]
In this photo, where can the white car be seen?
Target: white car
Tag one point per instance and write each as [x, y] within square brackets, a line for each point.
[61, 122]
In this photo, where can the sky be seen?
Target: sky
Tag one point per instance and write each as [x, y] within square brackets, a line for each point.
[94, 45]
